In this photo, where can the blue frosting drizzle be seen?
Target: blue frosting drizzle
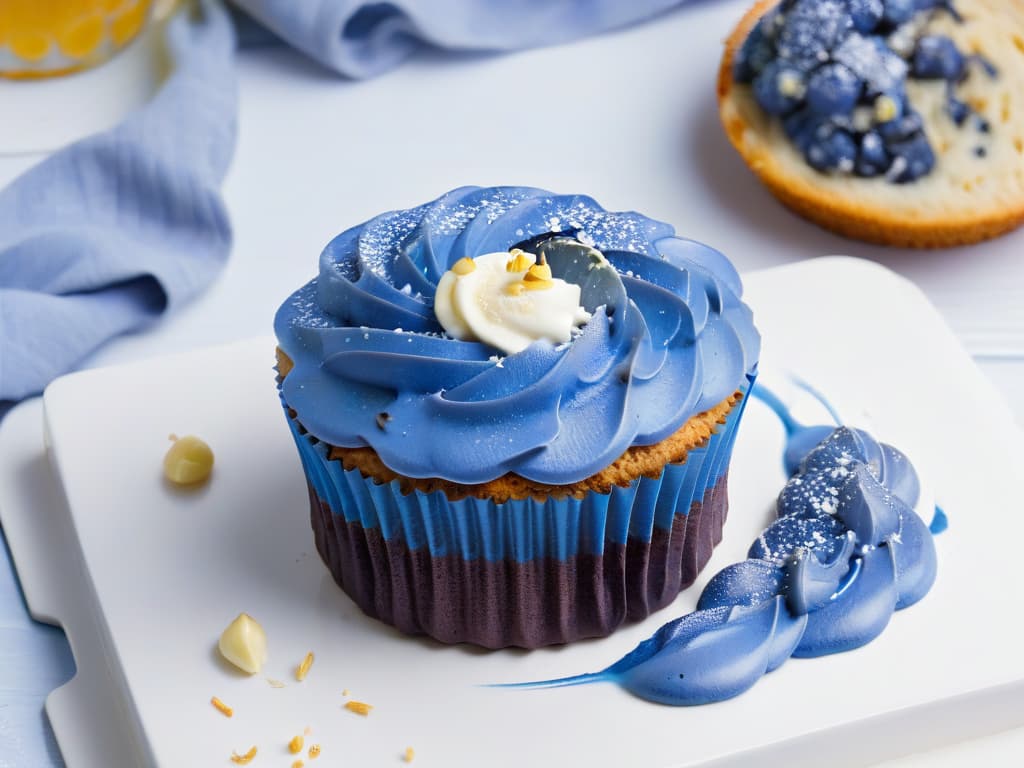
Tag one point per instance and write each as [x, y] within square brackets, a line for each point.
[835, 72]
[669, 338]
[845, 552]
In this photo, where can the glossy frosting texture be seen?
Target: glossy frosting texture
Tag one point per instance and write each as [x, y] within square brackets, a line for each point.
[669, 338]
[846, 551]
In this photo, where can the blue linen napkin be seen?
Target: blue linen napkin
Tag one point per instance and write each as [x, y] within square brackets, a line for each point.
[102, 237]
[107, 234]
[362, 39]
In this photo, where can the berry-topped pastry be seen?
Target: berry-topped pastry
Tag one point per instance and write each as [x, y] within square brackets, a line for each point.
[891, 121]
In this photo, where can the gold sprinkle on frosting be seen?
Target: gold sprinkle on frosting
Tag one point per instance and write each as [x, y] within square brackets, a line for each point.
[538, 277]
[464, 266]
[296, 744]
[303, 668]
[243, 759]
[519, 262]
[221, 707]
[359, 707]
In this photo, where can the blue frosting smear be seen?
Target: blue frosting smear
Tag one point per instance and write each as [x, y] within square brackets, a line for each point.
[845, 552]
[669, 338]
[835, 72]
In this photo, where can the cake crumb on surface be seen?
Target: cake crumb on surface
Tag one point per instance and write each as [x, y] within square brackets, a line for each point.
[243, 759]
[314, 751]
[359, 707]
[221, 707]
[275, 683]
[296, 744]
[409, 755]
[303, 668]
[298, 764]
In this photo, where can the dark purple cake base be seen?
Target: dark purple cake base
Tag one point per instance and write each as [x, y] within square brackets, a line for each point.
[509, 603]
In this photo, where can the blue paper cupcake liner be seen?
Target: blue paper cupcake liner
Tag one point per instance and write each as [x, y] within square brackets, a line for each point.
[522, 572]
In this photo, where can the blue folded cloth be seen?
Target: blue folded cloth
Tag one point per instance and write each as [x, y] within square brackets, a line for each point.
[363, 39]
[107, 234]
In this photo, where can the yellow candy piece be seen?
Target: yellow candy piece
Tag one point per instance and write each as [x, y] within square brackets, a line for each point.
[188, 461]
[515, 289]
[295, 745]
[244, 644]
[464, 266]
[519, 262]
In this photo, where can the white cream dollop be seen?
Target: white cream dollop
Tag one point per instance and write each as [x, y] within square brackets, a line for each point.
[485, 303]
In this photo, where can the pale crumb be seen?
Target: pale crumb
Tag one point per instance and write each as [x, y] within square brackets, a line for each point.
[243, 759]
[345, 692]
[409, 755]
[275, 683]
[295, 745]
[359, 707]
[306, 731]
[303, 669]
[221, 707]
[314, 751]
[244, 643]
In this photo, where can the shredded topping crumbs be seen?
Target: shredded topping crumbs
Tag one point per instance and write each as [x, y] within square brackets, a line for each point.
[359, 707]
[300, 673]
[314, 751]
[244, 759]
[222, 707]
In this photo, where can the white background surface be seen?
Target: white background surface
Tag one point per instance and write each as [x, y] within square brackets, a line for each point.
[242, 542]
[628, 118]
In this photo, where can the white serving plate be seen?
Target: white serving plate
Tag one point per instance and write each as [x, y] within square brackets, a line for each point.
[162, 572]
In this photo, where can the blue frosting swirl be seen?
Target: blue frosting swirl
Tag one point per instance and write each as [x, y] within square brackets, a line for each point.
[846, 551]
[669, 338]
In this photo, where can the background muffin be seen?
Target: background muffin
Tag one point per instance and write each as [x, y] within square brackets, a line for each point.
[885, 120]
[493, 478]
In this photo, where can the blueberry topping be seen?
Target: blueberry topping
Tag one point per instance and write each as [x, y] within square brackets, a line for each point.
[832, 149]
[902, 128]
[873, 62]
[835, 72]
[912, 159]
[873, 158]
[757, 52]
[958, 111]
[779, 88]
[899, 11]
[937, 58]
[833, 89]
[812, 29]
[865, 14]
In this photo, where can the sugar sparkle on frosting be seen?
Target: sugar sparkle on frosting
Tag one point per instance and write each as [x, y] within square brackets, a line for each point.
[672, 339]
